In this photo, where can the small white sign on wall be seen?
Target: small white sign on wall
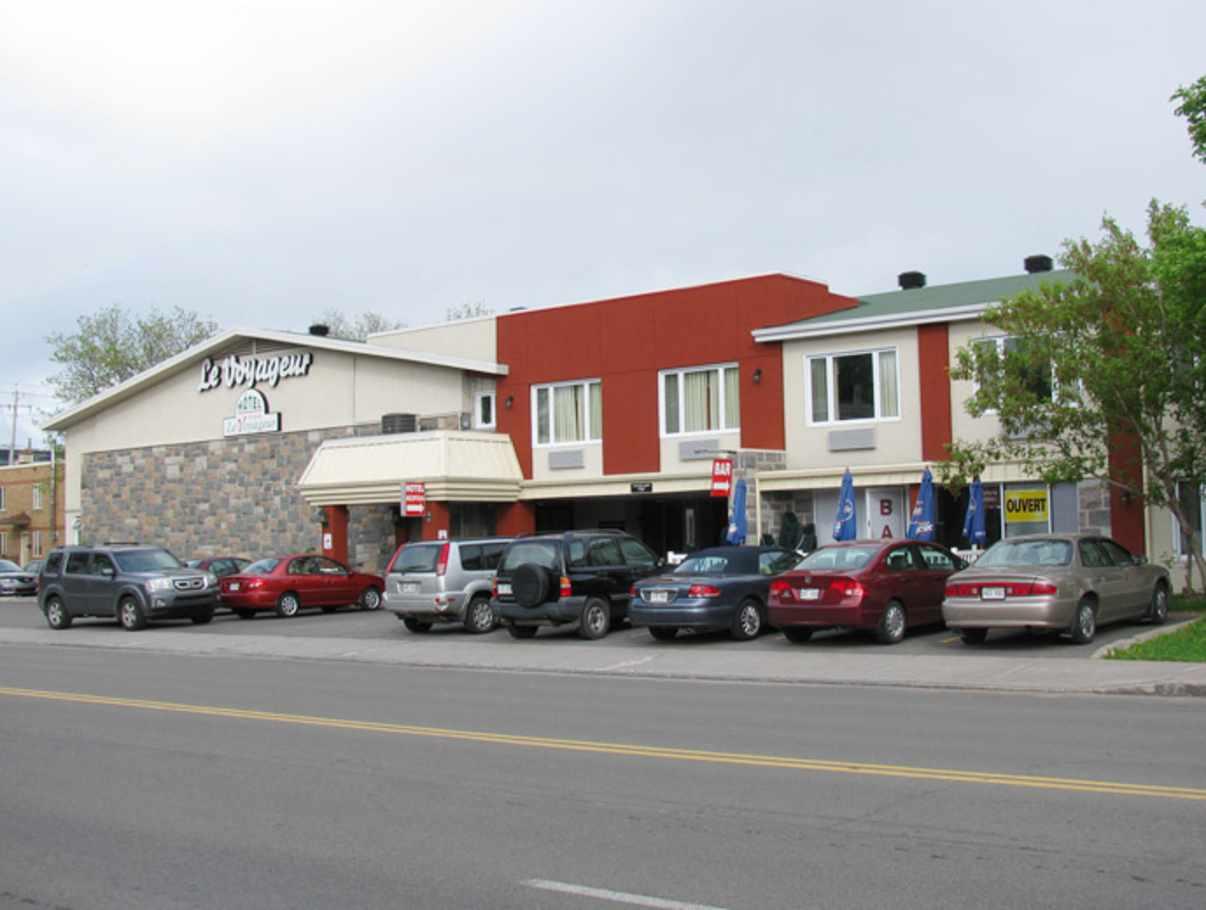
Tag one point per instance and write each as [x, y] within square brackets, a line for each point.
[328, 541]
[251, 416]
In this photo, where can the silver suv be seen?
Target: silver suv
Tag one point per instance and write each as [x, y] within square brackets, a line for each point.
[443, 581]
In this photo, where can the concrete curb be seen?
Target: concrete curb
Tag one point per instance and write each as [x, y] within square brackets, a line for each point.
[1183, 620]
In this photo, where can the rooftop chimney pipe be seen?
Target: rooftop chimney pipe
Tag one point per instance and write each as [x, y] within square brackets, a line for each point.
[1038, 263]
[910, 280]
[321, 330]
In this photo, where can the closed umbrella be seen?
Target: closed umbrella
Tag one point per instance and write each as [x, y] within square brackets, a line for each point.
[921, 522]
[738, 526]
[845, 523]
[974, 528]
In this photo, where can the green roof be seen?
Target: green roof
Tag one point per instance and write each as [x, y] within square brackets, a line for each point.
[899, 304]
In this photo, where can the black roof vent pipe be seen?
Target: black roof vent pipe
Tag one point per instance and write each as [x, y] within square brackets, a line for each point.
[320, 329]
[1039, 263]
[911, 280]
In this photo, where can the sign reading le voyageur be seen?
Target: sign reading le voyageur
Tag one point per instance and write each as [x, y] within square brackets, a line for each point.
[232, 371]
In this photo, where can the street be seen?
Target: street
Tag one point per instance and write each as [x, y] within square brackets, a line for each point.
[150, 781]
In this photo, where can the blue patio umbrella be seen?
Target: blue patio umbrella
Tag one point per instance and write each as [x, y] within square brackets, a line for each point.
[738, 525]
[845, 523]
[921, 522]
[974, 528]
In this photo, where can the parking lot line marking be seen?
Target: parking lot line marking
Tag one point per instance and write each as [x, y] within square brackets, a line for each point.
[618, 897]
[787, 763]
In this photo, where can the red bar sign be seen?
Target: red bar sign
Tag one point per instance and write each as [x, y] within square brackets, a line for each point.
[414, 500]
[722, 477]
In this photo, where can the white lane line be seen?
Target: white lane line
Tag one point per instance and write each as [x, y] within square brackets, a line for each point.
[618, 897]
[626, 663]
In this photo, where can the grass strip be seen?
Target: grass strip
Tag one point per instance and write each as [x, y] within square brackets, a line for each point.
[1187, 645]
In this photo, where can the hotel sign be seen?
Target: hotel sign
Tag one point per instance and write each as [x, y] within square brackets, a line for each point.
[234, 371]
[251, 416]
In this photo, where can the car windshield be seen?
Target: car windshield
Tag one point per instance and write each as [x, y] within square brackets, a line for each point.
[1027, 553]
[842, 558]
[262, 567]
[6, 566]
[703, 565]
[146, 561]
[421, 558]
[541, 552]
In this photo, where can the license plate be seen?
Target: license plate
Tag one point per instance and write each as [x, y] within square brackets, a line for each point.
[234, 586]
[504, 587]
[410, 587]
[992, 593]
[810, 593]
[659, 597]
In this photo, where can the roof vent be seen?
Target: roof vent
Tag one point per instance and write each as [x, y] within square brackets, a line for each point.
[321, 329]
[517, 309]
[399, 423]
[1036, 264]
[910, 280]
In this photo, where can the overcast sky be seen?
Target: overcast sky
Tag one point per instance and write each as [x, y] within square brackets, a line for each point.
[262, 162]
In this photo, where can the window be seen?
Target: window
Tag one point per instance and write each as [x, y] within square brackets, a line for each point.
[37, 497]
[567, 413]
[147, 561]
[3, 504]
[1093, 555]
[1192, 502]
[323, 566]
[542, 552]
[102, 565]
[471, 558]
[1010, 553]
[77, 563]
[595, 552]
[484, 415]
[859, 386]
[703, 400]
[53, 562]
[937, 559]
[636, 553]
[900, 560]
[1119, 555]
[417, 558]
[37, 543]
[772, 562]
[1040, 381]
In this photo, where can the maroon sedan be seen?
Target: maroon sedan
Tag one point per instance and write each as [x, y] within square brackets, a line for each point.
[288, 584]
[885, 586]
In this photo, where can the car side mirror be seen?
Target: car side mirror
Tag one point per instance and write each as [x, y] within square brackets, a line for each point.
[108, 572]
[1139, 560]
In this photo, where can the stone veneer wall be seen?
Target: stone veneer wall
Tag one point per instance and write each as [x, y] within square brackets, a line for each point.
[235, 496]
[1094, 498]
[777, 504]
[371, 536]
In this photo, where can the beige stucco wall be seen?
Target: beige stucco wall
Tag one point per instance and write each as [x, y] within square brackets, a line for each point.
[673, 464]
[476, 339]
[896, 441]
[592, 459]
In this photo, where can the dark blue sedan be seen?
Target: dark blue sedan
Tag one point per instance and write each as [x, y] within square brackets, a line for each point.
[711, 590]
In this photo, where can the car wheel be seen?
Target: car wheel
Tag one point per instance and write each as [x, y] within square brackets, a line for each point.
[201, 617]
[370, 599]
[664, 633]
[973, 636]
[245, 614]
[416, 625]
[596, 619]
[329, 609]
[129, 613]
[1084, 625]
[797, 634]
[892, 624]
[288, 605]
[479, 616]
[522, 631]
[747, 623]
[57, 616]
[1157, 613]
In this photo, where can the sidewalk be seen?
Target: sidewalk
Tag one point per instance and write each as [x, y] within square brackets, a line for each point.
[795, 665]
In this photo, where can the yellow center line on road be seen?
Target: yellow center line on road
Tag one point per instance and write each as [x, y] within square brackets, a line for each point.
[787, 763]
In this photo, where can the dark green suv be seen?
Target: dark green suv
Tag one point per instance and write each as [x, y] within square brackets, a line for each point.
[133, 583]
[578, 576]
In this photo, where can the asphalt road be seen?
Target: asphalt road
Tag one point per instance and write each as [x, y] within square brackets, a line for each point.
[368, 786]
[354, 624]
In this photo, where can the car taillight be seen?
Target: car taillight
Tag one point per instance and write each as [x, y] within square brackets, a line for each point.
[1011, 588]
[494, 587]
[847, 589]
[962, 590]
[632, 591]
[442, 559]
[567, 590]
[703, 591]
[782, 592]
[256, 583]
[1043, 587]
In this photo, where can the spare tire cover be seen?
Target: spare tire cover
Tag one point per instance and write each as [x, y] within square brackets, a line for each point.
[530, 584]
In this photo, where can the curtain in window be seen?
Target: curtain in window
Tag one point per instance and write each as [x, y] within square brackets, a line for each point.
[596, 410]
[542, 416]
[567, 412]
[701, 401]
[732, 399]
[1191, 504]
[889, 395]
[819, 374]
[671, 399]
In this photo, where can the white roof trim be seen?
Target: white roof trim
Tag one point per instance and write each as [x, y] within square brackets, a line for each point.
[870, 323]
[198, 351]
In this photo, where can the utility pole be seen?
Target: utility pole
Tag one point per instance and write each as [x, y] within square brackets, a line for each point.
[12, 448]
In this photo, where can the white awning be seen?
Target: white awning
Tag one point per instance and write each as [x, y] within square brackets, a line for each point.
[455, 466]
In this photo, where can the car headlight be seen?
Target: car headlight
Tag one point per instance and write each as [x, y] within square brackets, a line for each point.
[211, 580]
[159, 584]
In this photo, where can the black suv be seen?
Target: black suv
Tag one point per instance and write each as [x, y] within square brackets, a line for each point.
[133, 583]
[578, 576]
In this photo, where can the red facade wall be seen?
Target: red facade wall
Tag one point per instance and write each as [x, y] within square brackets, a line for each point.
[1127, 520]
[515, 518]
[437, 519]
[337, 527]
[627, 340]
[933, 355]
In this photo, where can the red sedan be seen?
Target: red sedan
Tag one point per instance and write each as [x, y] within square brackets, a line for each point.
[289, 584]
[885, 586]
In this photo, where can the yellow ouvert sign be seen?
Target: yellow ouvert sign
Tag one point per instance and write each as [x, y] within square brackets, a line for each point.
[1025, 506]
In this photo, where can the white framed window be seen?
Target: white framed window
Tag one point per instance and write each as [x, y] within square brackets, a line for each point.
[852, 386]
[1193, 503]
[37, 498]
[37, 543]
[699, 399]
[1040, 382]
[483, 412]
[3, 544]
[567, 413]
[3, 503]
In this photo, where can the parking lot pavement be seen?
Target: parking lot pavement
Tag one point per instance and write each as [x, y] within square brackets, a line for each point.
[352, 624]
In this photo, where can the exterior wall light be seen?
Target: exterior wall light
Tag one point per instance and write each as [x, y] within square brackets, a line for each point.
[757, 375]
[510, 401]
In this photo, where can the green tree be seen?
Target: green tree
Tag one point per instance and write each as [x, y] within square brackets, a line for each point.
[1192, 107]
[357, 328]
[112, 345]
[1115, 358]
